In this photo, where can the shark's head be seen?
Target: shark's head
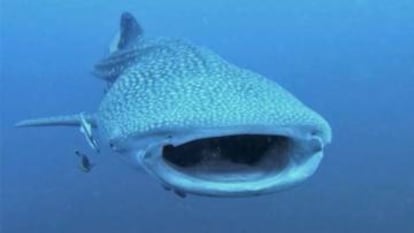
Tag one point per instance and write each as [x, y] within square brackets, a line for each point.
[197, 123]
[201, 125]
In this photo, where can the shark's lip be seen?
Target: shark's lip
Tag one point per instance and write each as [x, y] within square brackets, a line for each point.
[302, 160]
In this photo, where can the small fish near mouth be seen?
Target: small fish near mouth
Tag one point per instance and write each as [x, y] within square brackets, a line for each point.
[85, 165]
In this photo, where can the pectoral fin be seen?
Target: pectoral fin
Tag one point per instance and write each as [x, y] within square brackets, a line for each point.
[85, 123]
[66, 120]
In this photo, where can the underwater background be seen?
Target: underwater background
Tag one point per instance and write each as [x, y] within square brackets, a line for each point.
[352, 61]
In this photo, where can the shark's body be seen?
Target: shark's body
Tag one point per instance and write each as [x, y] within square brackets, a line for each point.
[198, 123]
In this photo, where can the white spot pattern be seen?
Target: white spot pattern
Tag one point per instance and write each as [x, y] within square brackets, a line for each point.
[174, 84]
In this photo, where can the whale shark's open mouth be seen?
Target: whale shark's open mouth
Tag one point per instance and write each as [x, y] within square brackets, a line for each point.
[236, 164]
[230, 158]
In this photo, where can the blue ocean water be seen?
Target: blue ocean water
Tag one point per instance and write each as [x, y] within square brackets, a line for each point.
[352, 61]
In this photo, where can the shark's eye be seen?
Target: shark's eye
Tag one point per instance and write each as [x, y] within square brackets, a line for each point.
[240, 154]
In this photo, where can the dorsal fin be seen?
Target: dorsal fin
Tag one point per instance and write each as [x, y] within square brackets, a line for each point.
[130, 30]
[121, 50]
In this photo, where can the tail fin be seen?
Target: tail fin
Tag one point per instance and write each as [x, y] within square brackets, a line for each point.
[67, 120]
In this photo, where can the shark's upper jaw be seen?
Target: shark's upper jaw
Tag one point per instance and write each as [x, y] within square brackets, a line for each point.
[241, 161]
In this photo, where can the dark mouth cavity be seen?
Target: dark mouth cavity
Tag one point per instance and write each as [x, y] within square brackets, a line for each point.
[247, 150]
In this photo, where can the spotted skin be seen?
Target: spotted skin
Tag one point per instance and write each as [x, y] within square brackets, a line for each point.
[173, 84]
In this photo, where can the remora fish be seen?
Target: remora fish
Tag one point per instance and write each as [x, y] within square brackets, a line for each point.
[198, 123]
[85, 164]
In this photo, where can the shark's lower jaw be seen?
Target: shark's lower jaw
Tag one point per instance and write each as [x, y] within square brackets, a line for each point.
[234, 164]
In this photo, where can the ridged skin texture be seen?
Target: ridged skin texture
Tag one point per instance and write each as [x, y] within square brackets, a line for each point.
[172, 84]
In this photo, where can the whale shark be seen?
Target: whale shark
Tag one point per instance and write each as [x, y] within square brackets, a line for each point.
[195, 122]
